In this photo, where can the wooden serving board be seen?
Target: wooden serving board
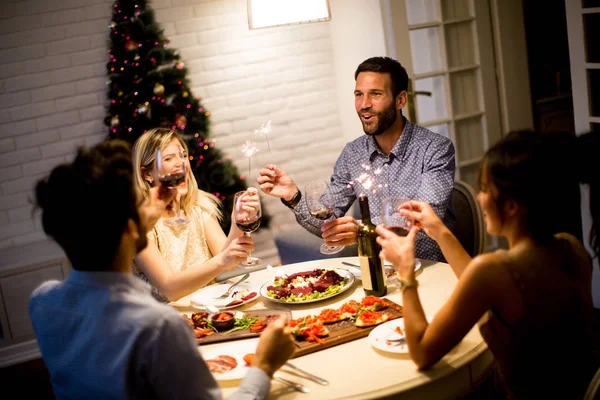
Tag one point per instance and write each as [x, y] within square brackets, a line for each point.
[241, 334]
[345, 331]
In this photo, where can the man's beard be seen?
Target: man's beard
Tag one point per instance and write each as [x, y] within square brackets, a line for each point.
[385, 118]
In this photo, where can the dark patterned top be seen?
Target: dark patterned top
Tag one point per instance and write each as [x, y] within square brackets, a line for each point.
[420, 166]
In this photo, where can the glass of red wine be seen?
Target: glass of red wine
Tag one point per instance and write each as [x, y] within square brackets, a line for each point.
[391, 218]
[248, 214]
[171, 169]
[320, 203]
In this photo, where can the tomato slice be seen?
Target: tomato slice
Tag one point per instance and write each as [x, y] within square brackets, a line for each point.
[248, 359]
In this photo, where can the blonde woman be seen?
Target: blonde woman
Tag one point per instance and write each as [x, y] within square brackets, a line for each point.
[183, 258]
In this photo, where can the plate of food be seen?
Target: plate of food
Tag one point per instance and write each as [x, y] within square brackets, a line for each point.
[389, 336]
[307, 286]
[227, 361]
[390, 271]
[244, 293]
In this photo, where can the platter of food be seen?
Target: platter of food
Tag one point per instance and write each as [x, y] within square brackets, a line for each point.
[226, 325]
[307, 286]
[352, 320]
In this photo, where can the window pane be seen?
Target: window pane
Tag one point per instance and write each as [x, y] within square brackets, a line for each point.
[591, 27]
[469, 138]
[430, 108]
[454, 9]
[591, 3]
[594, 91]
[465, 92]
[460, 48]
[425, 50]
[420, 11]
[441, 129]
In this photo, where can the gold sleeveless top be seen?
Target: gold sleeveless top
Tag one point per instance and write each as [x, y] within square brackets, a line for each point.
[183, 247]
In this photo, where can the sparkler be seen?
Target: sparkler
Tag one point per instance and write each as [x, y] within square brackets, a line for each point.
[249, 149]
[265, 130]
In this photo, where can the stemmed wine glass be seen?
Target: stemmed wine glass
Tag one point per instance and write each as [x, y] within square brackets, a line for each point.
[390, 215]
[320, 203]
[175, 176]
[247, 214]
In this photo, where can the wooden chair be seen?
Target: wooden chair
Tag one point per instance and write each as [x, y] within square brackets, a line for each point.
[469, 228]
[593, 390]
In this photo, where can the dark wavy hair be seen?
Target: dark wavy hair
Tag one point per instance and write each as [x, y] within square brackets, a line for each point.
[542, 173]
[386, 65]
[86, 204]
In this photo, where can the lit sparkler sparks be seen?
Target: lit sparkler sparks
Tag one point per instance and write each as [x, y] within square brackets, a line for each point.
[264, 130]
[249, 149]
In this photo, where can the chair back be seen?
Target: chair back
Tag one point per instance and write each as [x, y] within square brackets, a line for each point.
[593, 390]
[469, 227]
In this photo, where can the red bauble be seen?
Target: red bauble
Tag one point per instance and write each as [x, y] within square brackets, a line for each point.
[180, 121]
[131, 45]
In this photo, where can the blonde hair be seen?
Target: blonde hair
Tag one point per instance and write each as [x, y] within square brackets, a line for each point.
[144, 154]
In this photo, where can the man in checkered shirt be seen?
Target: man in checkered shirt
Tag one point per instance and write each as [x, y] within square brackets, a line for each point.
[410, 161]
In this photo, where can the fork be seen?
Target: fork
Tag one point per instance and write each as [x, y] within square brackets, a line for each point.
[228, 292]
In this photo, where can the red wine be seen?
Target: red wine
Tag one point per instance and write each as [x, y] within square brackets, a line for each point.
[172, 180]
[248, 226]
[398, 230]
[371, 267]
[322, 213]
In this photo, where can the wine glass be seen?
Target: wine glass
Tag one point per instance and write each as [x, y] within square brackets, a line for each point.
[320, 203]
[391, 218]
[171, 170]
[247, 214]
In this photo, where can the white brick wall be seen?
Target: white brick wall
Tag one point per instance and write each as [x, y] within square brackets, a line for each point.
[52, 92]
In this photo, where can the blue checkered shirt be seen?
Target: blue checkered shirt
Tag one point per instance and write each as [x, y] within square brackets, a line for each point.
[420, 166]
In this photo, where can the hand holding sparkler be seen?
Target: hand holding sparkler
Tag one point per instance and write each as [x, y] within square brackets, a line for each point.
[276, 182]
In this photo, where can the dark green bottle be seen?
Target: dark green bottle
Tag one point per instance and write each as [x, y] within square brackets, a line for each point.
[371, 268]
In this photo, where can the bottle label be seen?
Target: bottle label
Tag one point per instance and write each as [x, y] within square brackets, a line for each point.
[366, 273]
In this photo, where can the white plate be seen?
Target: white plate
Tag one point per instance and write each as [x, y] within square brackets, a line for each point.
[343, 272]
[378, 336]
[237, 349]
[357, 273]
[206, 297]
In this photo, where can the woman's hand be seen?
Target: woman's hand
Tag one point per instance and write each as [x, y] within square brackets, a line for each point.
[236, 252]
[398, 250]
[424, 217]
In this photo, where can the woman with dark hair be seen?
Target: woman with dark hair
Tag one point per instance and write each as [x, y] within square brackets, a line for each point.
[533, 301]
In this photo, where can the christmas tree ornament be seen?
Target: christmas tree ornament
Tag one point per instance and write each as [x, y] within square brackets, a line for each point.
[179, 64]
[144, 109]
[159, 89]
[180, 121]
[114, 121]
[185, 94]
[112, 25]
[170, 99]
[137, 57]
[131, 45]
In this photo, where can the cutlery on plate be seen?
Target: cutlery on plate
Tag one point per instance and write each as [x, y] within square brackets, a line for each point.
[228, 292]
[296, 386]
[306, 374]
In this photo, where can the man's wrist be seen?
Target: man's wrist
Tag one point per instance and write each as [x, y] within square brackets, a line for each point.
[293, 202]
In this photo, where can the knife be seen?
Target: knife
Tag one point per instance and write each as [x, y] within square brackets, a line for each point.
[308, 375]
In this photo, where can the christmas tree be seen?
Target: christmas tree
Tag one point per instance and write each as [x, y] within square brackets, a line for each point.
[148, 88]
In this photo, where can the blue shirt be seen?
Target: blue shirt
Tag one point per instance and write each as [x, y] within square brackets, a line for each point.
[103, 336]
[420, 166]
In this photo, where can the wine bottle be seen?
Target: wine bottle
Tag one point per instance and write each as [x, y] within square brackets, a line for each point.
[371, 267]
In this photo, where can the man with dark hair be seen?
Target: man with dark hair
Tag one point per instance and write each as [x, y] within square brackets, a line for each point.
[394, 158]
[101, 333]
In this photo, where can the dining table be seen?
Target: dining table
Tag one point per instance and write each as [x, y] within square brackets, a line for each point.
[356, 369]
